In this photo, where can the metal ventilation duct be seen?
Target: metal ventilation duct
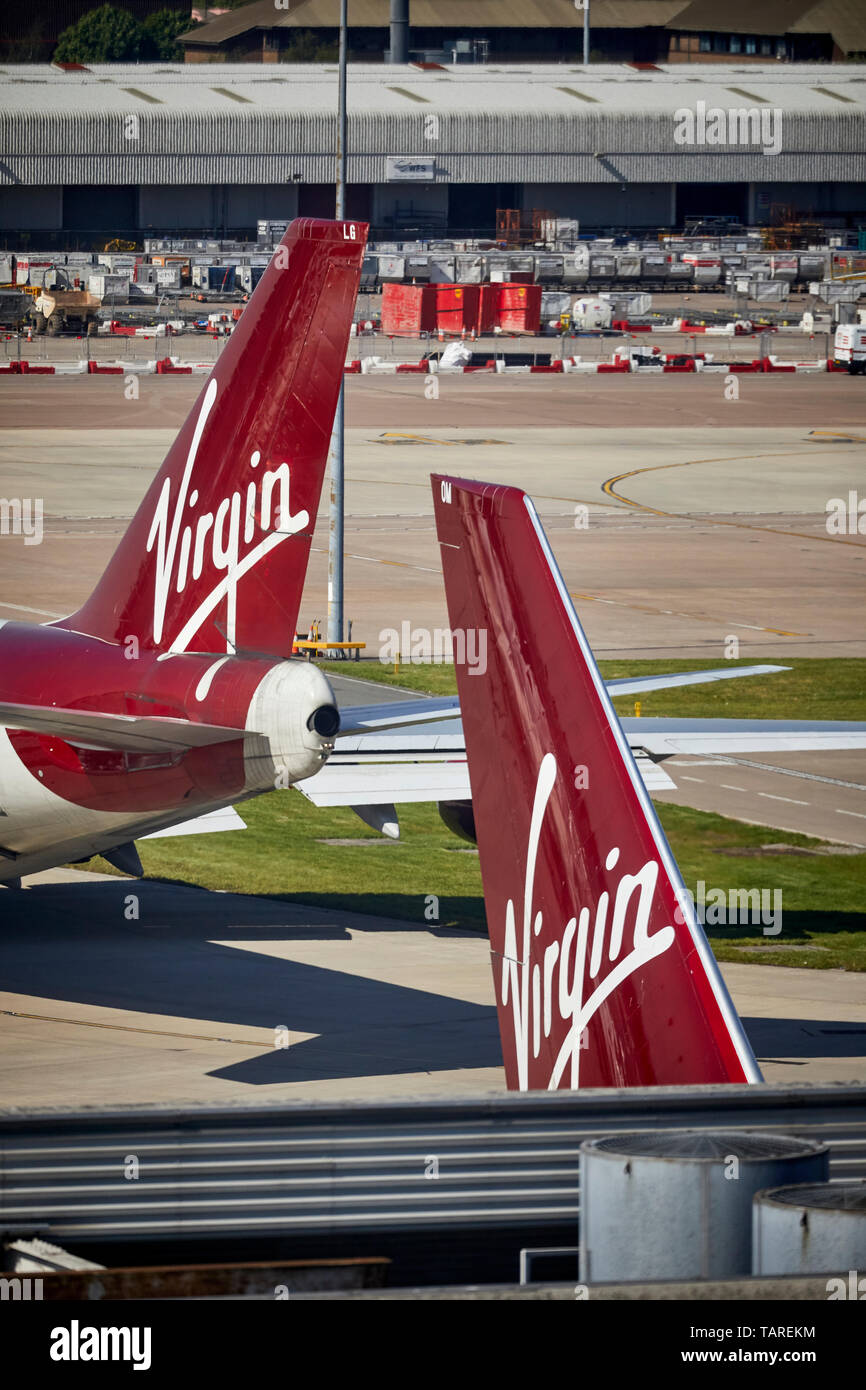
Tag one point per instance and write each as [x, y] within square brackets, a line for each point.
[810, 1229]
[399, 31]
[678, 1204]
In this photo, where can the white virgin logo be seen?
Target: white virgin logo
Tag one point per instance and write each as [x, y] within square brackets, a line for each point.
[555, 981]
[180, 548]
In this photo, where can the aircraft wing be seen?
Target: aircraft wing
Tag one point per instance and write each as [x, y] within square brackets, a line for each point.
[384, 770]
[663, 737]
[640, 685]
[428, 762]
[397, 714]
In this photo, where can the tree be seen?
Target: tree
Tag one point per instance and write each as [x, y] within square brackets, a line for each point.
[305, 46]
[107, 35]
[159, 35]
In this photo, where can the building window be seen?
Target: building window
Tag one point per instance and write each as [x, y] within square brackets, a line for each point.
[705, 44]
[751, 45]
[780, 48]
[675, 43]
[766, 47]
[720, 43]
[736, 44]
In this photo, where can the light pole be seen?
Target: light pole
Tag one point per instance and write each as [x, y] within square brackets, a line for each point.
[337, 498]
[586, 33]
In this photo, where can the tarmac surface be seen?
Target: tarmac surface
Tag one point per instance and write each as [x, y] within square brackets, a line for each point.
[184, 1003]
[679, 519]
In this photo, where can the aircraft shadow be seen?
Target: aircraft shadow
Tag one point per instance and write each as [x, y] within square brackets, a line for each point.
[74, 943]
[805, 1037]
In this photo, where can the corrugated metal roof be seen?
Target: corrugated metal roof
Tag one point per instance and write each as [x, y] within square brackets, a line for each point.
[378, 89]
[845, 20]
[741, 16]
[244, 123]
[632, 14]
[436, 14]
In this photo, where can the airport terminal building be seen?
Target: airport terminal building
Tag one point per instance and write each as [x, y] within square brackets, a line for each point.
[208, 150]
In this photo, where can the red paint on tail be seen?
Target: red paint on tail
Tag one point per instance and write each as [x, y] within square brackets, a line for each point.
[215, 558]
[603, 976]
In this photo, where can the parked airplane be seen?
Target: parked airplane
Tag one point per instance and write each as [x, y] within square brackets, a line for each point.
[169, 694]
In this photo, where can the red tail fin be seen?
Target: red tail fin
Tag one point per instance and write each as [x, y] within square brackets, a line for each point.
[603, 975]
[214, 560]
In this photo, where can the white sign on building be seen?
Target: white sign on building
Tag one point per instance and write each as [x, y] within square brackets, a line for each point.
[409, 168]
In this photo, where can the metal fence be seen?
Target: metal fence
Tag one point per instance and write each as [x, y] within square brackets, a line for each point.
[500, 1163]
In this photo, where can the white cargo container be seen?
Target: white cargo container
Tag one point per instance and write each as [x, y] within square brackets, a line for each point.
[117, 261]
[27, 266]
[548, 269]
[628, 266]
[769, 291]
[625, 305]
[575, 265]
[707, 274]
[469, 269]
[496, 266]
[391, 267]
[783, 267]
[168, 276]
[442, 269]
[554, 303]
[849, 347]
[837, 291]
[106, 284]
[814, 264]
[418, 269]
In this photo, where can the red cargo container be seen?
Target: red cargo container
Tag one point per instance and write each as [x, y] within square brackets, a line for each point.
[519, 308]
[408, 310]
[456, 308]
[488, 308]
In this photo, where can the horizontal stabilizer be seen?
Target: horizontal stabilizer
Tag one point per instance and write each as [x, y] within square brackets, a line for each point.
[395, 714]
[127, 733]
[210, 823]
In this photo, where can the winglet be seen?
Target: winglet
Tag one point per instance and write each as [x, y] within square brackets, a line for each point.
[603, 975]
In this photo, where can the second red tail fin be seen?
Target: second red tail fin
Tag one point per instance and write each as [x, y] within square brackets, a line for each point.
[603, 975]
[215, 557]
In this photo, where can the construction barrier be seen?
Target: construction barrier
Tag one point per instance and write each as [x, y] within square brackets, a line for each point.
[658, 364]
[165, 366]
